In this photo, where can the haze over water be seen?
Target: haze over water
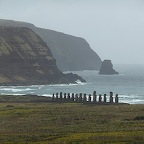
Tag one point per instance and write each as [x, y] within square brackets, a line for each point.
[129, 85]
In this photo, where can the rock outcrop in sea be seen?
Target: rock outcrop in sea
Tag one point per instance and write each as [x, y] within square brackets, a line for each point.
[72, 53]
[107, 68]
[25, 59]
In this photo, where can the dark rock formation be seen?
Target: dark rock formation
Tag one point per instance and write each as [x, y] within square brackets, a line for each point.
[72, 53]
[25, 59]
[107, 68]
[74, 77]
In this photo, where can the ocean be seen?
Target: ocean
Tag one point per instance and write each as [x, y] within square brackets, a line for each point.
[129, 85]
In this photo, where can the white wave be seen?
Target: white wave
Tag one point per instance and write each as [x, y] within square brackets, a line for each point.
[132, 99]
[16, 90]
[80, 83]
[36, 85]
[41, 86]
[6, 89]
[31, 92]
[58, 85]
[124, 96]
[63, 85]
[47, 95]
[11, 94]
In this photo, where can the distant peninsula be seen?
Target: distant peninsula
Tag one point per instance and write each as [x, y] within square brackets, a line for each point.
[107, 68]
[71, 53]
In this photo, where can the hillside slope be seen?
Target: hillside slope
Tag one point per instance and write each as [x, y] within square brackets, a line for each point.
[26, 59]
[72, 53]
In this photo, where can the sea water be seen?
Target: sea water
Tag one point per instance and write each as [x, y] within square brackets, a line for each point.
[129, 85]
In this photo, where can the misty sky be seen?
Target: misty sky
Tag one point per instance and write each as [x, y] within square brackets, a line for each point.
[113, 28]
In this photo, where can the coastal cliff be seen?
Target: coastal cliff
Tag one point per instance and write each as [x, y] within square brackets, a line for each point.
[26, 59]
[72, 53]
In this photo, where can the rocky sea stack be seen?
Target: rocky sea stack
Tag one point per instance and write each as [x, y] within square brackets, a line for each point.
[107, 68]
[26, 59]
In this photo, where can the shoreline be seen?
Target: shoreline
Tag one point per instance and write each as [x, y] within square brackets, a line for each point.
[49, 96]
[28, 98]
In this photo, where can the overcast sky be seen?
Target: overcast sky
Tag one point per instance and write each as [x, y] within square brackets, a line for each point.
[113, 28]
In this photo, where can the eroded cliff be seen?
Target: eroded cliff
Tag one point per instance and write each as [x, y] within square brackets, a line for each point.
[26, 59]
[72, 53]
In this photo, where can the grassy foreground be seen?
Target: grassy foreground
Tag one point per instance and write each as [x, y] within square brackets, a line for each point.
[70, 123]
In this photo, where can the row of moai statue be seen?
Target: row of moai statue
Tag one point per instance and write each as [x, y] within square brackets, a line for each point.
[85, 98]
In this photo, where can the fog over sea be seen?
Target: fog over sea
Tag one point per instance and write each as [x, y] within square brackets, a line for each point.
[129, 85]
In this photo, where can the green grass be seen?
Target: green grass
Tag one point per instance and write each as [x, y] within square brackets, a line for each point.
[62, 123]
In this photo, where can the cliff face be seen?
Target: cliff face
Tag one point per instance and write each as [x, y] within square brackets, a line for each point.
[26, 59]
[107, 68]
[71, 53]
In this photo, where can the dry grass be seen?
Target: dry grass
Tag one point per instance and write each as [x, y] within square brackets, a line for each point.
[42, 123]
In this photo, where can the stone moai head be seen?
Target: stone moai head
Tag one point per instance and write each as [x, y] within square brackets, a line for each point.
[72, 98]
[56, 96]
[94, 93]
[116, 98]
[53, 96]
[61, 96]
[80, 97]
[111, 97]
[89, 99]
[100, 97]
[68, 98]
[111, 93]
[64, 95]
[76, 97]
[84, 98]
[104, 97]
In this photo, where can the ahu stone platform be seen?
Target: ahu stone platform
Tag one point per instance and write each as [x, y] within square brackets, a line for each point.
[86, 99]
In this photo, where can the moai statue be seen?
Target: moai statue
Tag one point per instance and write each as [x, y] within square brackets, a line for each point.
[94, 96]
[105, 100]
[116, 99]
[61, 96]
[68, 98]
[76, 97]
[64, 96]
[100, 98]
[84, 98]
[89, 98]
[53, 97]
[72, 98]
[56, 96]
[80, 97]
[111, 97]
